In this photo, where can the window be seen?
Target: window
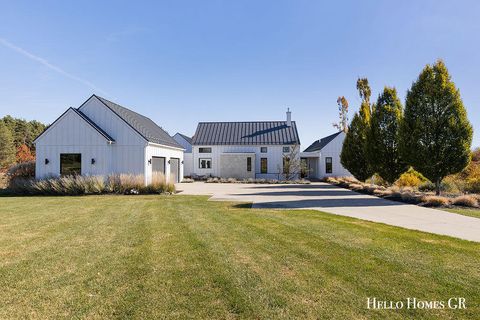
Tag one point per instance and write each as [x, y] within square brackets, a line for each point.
[205, 163]
[249, 164]
[70, 164]
[263, 165]
[286, 149]
[205, 150]
[328, 165]
[263, 149]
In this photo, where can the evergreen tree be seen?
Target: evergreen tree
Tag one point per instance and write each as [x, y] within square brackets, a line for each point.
[354, 151]
[342, 124]
[7, 148]
[383, 137]
[435, 134]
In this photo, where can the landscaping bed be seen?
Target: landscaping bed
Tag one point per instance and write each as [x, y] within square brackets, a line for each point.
[408, 194]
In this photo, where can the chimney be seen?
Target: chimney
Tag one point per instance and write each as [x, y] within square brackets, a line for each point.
[289, 118]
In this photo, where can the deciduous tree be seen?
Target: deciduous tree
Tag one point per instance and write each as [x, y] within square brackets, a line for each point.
[342, 124]
[383, 136]
[354, 153]
[436, 135]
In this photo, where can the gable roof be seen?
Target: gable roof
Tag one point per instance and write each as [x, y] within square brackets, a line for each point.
[94, 125]
[320, 144]
[85, 118]
[144, 126]
[188, 139]
[246, 133]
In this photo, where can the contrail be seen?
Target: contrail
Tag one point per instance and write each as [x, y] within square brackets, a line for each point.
[49, 65]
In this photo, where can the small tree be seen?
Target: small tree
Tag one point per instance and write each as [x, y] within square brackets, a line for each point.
[7, 148]
[342, 125]
[436, 135]
[292, 167]
[383, 137]
[24, 154]
[354, 152]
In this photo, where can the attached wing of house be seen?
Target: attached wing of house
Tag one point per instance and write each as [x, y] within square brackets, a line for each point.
[322, 157]
[132, 143]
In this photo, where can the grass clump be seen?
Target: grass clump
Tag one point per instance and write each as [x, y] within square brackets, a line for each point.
[434, 201]
[89, 185]
[466, 201]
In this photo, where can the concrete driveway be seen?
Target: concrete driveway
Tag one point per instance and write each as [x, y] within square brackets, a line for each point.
[331, 199]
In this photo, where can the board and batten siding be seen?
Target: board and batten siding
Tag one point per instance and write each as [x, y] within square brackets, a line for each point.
[274, 155]
[71, 134]
[333, 149]
[154, 150]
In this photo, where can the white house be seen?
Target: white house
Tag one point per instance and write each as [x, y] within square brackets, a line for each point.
[186, 142]
[322, 157]
[101, 138]
[243, 149]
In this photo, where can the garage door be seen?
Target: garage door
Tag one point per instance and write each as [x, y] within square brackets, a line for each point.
[174, 170]
[158, 166]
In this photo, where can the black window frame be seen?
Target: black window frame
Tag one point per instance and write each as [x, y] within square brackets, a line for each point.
[286, 149]
[263, 150]
[200, 163]
[262, 162]
[328, 165]
[249, 164]
[62, 156]
[205, 150]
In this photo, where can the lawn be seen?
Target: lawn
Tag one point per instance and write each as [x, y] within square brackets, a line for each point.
[465, 211]
[150, 257]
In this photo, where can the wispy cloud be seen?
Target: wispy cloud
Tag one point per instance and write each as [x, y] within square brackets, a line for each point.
[47, 64]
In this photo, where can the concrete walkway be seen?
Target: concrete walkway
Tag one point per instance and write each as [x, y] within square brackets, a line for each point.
[331, 199]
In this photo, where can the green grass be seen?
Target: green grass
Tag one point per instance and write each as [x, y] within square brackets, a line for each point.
[465, 211]
[150, 257]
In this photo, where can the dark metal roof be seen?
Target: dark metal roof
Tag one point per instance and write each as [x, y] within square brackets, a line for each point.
[94, 125]
[246, 133]
[187, 138]
[320, 144]
[148, 129]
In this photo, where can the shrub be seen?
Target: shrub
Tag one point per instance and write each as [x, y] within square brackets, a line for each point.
[434, 201]
[188, 180]
[24, 170]
[473, 186]
[411, 178]
[466, 201]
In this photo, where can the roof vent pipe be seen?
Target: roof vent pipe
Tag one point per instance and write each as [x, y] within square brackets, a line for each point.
[289, 117]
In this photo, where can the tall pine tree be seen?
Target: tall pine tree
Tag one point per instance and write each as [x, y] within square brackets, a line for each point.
[436, 135]
[383, 136]
[354, 151]
[7, 147]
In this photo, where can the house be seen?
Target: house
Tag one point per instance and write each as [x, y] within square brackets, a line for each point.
[243, 150]
[322, 157]
[101, 138]
[186, 142]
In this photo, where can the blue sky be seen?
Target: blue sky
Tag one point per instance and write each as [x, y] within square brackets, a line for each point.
[180, 62]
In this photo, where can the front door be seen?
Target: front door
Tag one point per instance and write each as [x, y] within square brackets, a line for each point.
[174, 170]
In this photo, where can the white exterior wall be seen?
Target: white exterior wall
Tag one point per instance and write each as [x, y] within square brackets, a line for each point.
[274, 155]
[333, 150]
[155, 150]
[71, 134]
[187, 164]
[184, 143]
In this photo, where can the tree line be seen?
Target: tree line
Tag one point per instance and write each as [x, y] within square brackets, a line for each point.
[431, 134]
[16, 140]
